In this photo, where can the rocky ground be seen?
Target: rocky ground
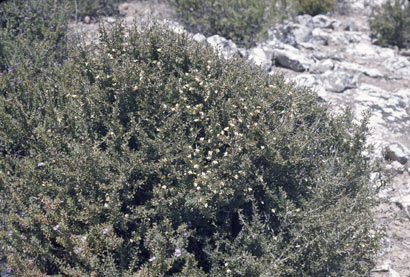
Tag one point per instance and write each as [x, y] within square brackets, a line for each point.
[336, 57]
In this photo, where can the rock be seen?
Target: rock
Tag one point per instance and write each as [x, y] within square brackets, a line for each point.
[405, 52]
[227, 48]
[307, 45]
[322, 66]
[351, 26]
[109, 20]
[403, 202]
[339, 81]
[354, 67]
[362, 49]
[387, 53]
[305, 20]
[261, 57]
[397, 167]
[296, 34]
[383, 267]
[305, 80]
[397, 152]
[321, 36]
[322, 21]
[337, 56]
[320, 55]
[242, 52]
[352, 37]
[338, 38]
[393, 273]
[399, 65]
[292, 58]
[199, 37]
[87, 20]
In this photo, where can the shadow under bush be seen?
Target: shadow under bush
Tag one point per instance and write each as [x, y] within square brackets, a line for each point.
[152, 155]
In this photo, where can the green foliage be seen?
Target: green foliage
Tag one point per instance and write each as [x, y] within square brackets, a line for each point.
[315, 7]
[151, 155]
[391, 23]
[32, 30]
[36, 30]
[243, 21]
[93, 8]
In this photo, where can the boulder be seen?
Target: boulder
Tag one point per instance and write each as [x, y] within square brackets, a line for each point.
[397, 152]
[306, 80]
[386, 53]
[339, 81]
[399, 65]
[405, 52]
[305, 20]
[296, 34]
[362, 49]
[352, 37]
[350, 26]
[322, 66]
[261, 57]
[307, 45]
[321, 36]
[87, 20]
[199, 37]
[358, 68]
[227, 48]
[322, 21]
[290, 57]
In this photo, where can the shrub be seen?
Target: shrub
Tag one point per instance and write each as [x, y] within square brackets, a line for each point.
[32, 30]
[244, 21]
[93, 8]
[152, 155]
[391, 23]
[315, 7]
[36, 30]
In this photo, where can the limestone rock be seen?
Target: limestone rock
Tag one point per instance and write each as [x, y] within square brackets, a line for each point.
[354, 67]
[199, 37]
[292, 58]
[261, 57]
[322, 21]
[362, 49]
[397, 152]
[296, 33]
[339, 81]
[227, 48]
[87, 20]
[323, 66]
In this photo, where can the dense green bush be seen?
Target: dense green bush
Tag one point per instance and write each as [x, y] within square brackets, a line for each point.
[36, 30]
[391, 23]
[243, 21]
[152, 155]
[94, 8]
[32, 31]
[315, 7]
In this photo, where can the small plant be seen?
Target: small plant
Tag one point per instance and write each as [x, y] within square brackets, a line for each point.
[391, 23]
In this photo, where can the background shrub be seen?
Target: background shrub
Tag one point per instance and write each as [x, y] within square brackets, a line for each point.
[391, 23]
[315, 7]
[243, 21]
[152, 155]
